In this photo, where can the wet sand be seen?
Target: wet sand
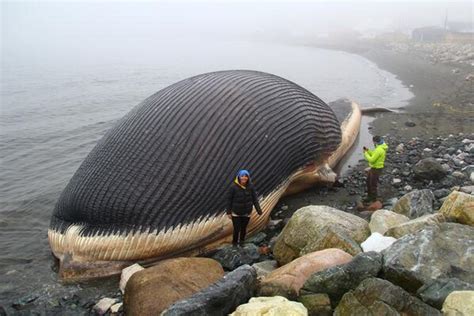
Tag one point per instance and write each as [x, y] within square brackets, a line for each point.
[443, 102]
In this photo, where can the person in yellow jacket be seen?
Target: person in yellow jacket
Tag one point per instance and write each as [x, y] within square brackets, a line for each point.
[376, 160]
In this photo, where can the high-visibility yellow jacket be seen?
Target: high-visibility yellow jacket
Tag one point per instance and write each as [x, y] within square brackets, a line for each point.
[376, 157]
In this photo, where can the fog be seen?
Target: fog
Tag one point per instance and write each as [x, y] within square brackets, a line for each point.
[42, 31]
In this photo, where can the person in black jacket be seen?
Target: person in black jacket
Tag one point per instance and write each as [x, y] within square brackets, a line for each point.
[241, 199]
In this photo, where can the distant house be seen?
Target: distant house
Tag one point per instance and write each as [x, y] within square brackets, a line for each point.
[429, 34]
[439, 34]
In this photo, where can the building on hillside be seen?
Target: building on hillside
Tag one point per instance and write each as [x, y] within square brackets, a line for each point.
[439, 34]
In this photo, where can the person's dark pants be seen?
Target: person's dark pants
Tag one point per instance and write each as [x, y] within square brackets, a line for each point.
[240, 229]
[372, 183]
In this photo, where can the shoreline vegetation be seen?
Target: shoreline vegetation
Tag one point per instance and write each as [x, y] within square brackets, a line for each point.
[350, 263]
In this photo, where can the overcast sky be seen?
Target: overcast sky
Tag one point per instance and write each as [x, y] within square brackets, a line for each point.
[29, 27]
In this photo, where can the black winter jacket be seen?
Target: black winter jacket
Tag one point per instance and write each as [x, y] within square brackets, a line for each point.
[241, 201]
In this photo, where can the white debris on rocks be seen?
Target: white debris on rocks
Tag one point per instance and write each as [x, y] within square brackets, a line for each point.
[127, 273]
[103, 305]
[377, 242]
[115, 308]
[400, 148]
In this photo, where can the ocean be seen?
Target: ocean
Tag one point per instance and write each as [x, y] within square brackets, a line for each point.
[54, 110]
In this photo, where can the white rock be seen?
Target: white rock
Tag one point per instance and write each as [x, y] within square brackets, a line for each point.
[271, 306]
[115, 308]
[127, 273]
[396, 181]
[446, 167]
[400, 148]
[467, 189]
[407, 188]
[472, 177]
[467, 141]
[459, 303]
[427, 150]
[103, 305]
[458, 174]
[377, 242]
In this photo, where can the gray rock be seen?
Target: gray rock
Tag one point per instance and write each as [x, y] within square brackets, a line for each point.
[415, 203]
[24, 301]
[458, 162]
[221, 298]
[265, 267]
[444, 251]
[316, 304]
[429, 169]
[436, 292]
[415, 225]
[257, 239]
[467, 189]
[338, 280]
[441, 193]
[231, 257]
[379, 297]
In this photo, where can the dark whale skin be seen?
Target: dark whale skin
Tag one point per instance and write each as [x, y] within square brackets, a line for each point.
[170, 161]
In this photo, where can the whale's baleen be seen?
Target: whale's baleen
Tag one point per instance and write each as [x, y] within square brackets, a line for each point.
[154, 186]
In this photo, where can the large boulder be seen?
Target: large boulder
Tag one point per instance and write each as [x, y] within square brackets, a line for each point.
[459, 207]
[459, 303]
[415, 225]
[231, 257]
[379, 297]
[287, 280]
[314, 228]
[382, 220]
[340, 279]
[436, 292]
[221, 298]
[429, 169]
[263, 306]
[415, 204]
[170, 281]
[443, 251]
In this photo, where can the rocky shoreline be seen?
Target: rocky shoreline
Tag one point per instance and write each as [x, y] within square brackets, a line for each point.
[335, 264]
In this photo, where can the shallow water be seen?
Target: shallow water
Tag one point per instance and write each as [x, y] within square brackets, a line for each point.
[53, 113]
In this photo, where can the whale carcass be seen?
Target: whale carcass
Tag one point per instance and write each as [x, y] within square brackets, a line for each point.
[154, 186]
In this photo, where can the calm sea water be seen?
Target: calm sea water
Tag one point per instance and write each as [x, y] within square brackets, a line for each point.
[54, 111]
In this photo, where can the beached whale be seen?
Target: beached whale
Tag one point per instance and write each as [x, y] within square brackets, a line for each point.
[154, 186]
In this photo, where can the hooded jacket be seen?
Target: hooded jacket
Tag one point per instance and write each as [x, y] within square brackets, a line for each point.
[376, 157]
[241, 199]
